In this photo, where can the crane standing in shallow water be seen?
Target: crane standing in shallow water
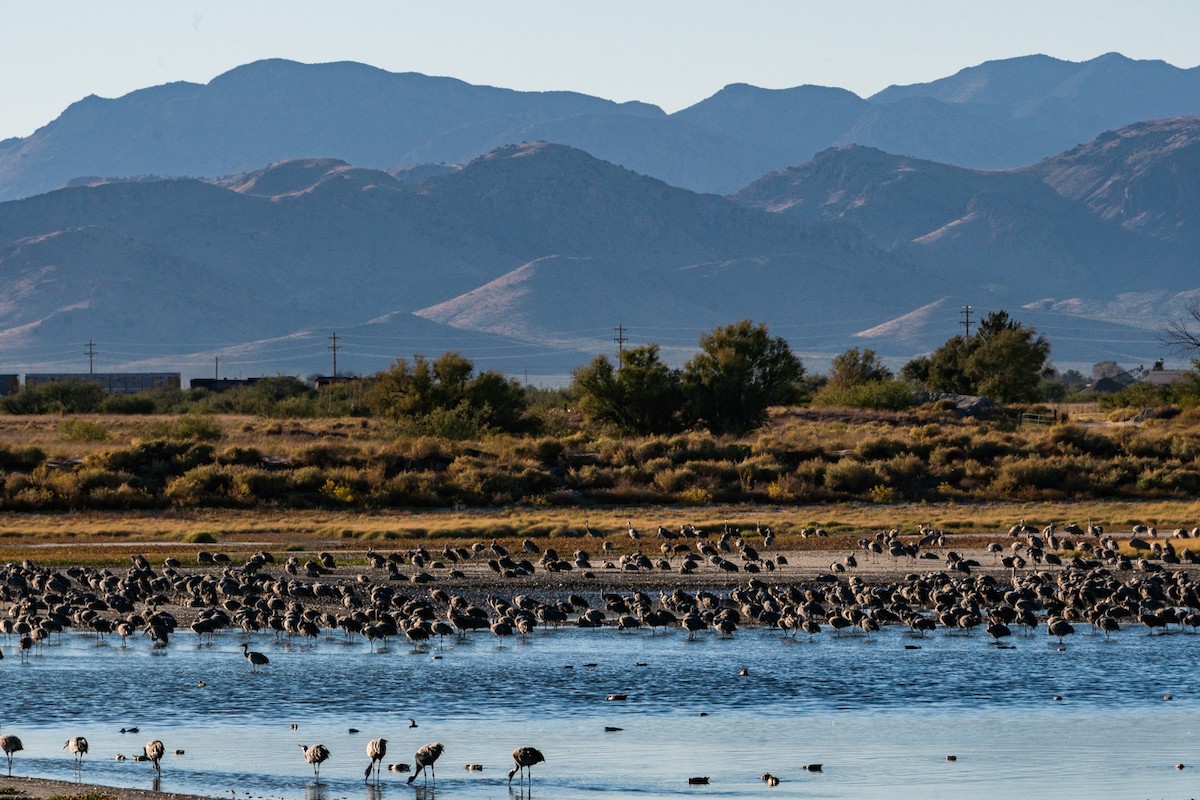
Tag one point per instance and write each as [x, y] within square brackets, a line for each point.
[255, 658]
[154, 752]
[376, 750]
[316, 755]
[524, 758]
[10, 744]
[78, 747]
[425, 757]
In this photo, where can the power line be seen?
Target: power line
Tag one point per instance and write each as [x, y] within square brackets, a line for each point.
[966, 320]
[334, 347]
[90, 352]
[620, 340]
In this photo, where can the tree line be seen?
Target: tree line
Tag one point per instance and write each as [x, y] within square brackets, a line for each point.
[738, 372]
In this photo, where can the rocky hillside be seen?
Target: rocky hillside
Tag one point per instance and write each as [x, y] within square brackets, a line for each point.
[530, 255]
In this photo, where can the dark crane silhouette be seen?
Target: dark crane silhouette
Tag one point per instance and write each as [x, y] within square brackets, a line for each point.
[425, 757]
[524, 758]
[10, 744]
[255, 658]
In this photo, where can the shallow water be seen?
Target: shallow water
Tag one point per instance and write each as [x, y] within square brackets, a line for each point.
[881, 717]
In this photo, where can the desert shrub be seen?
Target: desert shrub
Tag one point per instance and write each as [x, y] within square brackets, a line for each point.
[188, 428]
[784, 490]
[23, 459]
[880, 448]
[206, 485]
[305, 480]
[988, 448]
[696, 496]
[252, 485]
[124, 496]
[884, 494]
[140, 403]
[673, 479]
[888, 395]
[904, 468]
[1169, 480]
[852, 477]
[1136, 395]
[1077, 439]
[82, 430]
[199, 537]
[327, 455]
[1013, 476]
[942, 457]
[247, 456]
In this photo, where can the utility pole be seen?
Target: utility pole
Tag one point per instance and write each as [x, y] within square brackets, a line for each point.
[333, 345]
[966, 315]
[90, 352]
[620, 340]
[216, 368]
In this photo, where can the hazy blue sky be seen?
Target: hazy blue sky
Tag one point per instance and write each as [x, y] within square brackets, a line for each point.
[669, 52]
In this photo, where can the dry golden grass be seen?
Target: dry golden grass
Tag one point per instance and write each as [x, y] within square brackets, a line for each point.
[109, 538]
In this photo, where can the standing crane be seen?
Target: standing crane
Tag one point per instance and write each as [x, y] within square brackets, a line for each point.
[524, 758]
[376, 750]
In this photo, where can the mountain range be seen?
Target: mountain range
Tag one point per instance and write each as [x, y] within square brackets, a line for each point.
[999, 114]
[533, 254]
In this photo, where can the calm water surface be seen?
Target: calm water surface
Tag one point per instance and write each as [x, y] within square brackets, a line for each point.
[881, 718]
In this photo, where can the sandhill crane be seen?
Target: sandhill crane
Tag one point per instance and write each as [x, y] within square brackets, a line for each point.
[255, 658]
[78, 747]
[315, 754]
[376, 750]
[154, 752]
[10, 744]
[425, 757]
[524, 758]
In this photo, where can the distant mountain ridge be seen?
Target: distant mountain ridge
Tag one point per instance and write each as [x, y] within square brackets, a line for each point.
[530, 255]
[999, 114]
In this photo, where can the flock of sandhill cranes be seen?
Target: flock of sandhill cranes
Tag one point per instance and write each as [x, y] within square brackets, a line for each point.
[255, 596]
[317, 754]
[1059, 577]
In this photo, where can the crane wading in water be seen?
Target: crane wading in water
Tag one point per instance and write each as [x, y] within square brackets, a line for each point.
[524, 758]
[425, 757]
[376, 750]
[154, 752]
[315, 754]
[78, 747]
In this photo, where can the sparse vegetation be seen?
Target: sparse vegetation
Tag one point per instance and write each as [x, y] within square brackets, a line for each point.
[801, 457]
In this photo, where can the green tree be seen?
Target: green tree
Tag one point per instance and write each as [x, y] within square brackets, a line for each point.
[55, 397]
[403, 390]
[643, 395]
[855, 367]
[739, 372]
[500, 402]
[1005, 360]
[423, 390]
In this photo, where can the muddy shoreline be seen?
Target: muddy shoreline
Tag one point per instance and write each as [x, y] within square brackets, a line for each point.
[18, 787]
